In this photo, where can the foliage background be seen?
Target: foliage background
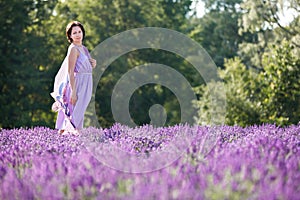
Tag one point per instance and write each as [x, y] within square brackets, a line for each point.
[257, 56]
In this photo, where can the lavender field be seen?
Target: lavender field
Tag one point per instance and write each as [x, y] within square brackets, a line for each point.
[257, 162]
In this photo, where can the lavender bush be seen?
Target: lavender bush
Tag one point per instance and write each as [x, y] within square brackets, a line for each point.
[258, 162]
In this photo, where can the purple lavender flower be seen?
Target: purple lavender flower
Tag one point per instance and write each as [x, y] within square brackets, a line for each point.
[257, 162]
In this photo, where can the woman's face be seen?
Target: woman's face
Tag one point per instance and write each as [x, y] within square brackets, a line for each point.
[76, 34]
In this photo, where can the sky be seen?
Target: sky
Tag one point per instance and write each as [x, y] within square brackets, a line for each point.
[199, 8]
[288, 15]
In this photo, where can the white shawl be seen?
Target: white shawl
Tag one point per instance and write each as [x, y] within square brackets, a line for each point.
[60, 82]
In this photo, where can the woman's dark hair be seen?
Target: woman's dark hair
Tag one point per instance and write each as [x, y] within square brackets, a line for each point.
[69, 30]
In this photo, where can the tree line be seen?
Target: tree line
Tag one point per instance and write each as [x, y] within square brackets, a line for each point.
[256, 53]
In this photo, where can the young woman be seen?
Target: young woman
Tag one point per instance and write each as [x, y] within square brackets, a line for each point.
[73, 82]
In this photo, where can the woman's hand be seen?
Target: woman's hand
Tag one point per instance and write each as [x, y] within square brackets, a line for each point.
[73, 98]
[56, 106]
[93, 62]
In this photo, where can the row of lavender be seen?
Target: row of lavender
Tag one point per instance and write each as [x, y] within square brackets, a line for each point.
[259, 162]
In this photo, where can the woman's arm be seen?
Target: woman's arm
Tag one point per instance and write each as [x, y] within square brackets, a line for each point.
[92, 61]
[71, 66]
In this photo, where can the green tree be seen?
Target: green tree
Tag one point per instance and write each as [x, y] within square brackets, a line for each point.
[255, 97]
[280, 91]
[241, 87]
[218, 30]
[268, 94]
[265, 18]
[23, 57]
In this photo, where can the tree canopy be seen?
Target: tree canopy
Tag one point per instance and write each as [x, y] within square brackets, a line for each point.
[256, 52]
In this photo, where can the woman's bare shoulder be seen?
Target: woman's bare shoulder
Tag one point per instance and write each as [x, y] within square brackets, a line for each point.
[73, 50]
